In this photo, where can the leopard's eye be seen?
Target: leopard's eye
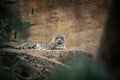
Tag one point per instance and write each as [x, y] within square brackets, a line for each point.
[61, 37]
[57, 37]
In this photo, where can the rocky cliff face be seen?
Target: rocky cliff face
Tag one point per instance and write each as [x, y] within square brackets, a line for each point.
[80, 20]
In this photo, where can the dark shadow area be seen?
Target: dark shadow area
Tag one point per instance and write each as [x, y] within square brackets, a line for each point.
[110, 46]
[11, 24]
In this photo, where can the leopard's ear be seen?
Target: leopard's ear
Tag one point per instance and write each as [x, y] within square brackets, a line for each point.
[63, 34]
[55, 34]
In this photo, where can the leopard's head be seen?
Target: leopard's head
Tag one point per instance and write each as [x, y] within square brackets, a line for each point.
[59, 38]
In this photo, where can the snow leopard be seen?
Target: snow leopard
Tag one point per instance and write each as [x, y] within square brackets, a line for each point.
[57, 43]
[29, 45]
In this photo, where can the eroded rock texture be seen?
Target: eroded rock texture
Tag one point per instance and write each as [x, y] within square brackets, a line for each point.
[38, 65]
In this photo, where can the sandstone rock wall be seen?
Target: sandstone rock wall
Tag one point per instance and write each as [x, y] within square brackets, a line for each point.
[80, 20]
